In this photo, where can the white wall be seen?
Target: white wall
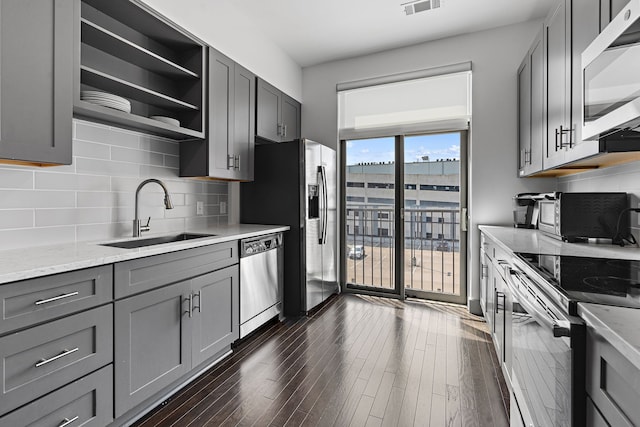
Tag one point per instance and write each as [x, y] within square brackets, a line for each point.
[495, 55]
[221, 25]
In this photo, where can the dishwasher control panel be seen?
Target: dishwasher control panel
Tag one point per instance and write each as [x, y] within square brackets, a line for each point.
[256, 245]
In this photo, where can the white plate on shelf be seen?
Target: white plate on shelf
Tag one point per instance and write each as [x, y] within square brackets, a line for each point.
[106, 100]
[167, 120]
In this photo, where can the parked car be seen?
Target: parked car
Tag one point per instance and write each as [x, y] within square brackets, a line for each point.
[356, 252]
[442, 246]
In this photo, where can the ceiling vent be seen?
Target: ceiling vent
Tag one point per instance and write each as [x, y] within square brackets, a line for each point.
[420, 6]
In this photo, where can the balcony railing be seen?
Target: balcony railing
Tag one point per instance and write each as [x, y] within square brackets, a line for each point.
[431, 248]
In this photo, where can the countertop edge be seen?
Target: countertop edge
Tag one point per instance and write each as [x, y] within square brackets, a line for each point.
[30, 263]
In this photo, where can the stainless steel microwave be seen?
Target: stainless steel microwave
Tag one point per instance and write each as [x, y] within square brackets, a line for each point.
[576, 217]
[611, 77]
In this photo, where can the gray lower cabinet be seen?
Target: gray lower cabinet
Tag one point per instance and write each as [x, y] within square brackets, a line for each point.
[277, 114]
[139, 275]
[152, 343]
[613, 384]
[41, 359]
[29, 302]
[189, 318]
[216, 317]
[36, 80]
[86, 402]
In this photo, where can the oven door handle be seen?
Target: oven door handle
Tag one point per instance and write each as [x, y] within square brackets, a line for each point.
[560, 328]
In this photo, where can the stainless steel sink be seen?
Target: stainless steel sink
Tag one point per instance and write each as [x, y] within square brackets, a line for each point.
[139, 243]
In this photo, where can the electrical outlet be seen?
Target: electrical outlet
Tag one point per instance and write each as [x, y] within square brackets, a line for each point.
[199, 208]
[223, 207]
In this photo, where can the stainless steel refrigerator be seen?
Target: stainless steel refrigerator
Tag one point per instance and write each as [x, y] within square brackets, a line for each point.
[295, 185]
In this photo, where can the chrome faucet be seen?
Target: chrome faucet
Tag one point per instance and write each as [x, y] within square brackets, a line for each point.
[137, 228]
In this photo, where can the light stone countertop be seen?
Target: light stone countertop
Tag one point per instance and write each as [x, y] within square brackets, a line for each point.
[534, 241]
[617, 325]
[27, 263]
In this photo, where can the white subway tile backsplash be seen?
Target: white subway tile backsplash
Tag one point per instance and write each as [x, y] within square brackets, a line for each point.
[106, 167]
[93, 132]
[159, 145]
[121, 154]
[93, 198]
[67, 181]
[18, 199]
[158, 172]
[41, 236]
[91, 150]
[18, 218]
[53, 217]
[11, 178]
[172, 161]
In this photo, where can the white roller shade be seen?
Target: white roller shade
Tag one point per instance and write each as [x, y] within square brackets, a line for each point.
[441, 102]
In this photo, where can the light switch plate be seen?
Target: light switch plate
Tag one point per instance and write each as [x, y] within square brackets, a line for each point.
[223, 207]
[199, 208]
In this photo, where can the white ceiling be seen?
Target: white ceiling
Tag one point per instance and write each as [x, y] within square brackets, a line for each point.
[316, 31]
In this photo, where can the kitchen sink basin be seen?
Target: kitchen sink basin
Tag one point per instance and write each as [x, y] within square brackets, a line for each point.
[140, 243]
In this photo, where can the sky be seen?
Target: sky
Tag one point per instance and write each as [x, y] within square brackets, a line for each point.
[437, 147]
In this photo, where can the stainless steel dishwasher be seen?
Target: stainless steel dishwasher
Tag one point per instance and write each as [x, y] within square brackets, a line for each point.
[260, 281]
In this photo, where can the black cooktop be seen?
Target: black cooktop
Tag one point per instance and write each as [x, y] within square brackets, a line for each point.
[596, 280]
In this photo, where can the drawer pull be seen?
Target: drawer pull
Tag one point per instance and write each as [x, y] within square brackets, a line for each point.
[68, 421]
[63, 354]
[59, 297]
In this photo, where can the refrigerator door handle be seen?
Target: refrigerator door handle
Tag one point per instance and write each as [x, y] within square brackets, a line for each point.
[325, 208]
[321, 197]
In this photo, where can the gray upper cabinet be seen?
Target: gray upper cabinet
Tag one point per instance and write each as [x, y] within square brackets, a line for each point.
[557, 33]
[531, 109]
[227, 152]
[277, 115]
[36, 80]
[127, 49]
[550, 126]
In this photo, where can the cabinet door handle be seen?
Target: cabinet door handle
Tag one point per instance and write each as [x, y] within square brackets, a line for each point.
[66, 352]
[230, 161]
[59, 297]
[498, 295]
[556, 139]
[564, 130]
[199, 306]
[189, 309]
[279, 129]
[236, 162]
[284, 130]
[67, 421]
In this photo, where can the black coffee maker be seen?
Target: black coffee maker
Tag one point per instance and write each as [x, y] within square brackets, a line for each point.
[525, 210]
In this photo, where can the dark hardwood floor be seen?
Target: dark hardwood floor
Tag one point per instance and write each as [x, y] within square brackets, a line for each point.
[357, 361]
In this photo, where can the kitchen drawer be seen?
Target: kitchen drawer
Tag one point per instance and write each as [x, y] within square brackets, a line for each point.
[33, 301]
[38, 360]
[139, 275]
[87, 402]
[612, 382]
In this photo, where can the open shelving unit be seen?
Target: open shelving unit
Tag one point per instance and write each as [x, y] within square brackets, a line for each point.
[128, 50]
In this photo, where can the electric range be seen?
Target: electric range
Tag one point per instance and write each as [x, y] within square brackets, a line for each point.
[571, 279]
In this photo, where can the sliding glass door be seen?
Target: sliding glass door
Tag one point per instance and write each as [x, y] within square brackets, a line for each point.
[370, 214]
[404, 201]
